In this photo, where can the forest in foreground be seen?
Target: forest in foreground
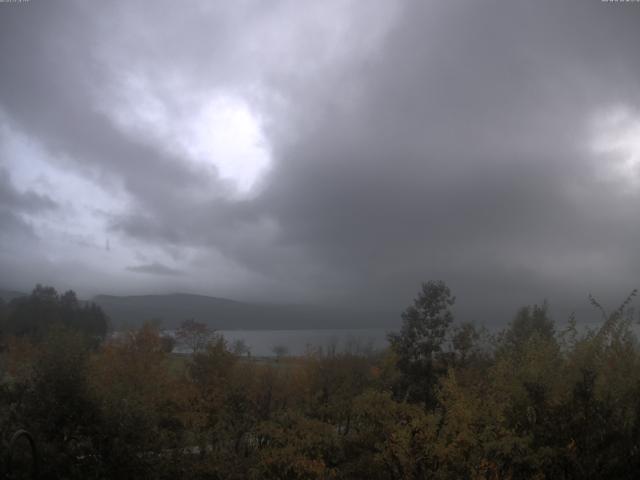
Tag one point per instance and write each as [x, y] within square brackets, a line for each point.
[443, 401]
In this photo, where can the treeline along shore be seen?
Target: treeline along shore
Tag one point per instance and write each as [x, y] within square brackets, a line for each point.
[444, 400]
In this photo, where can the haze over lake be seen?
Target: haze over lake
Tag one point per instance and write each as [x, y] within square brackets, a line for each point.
[298, 342]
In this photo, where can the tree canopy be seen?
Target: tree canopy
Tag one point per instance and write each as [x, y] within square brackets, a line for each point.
[44, 308]
[444, 401]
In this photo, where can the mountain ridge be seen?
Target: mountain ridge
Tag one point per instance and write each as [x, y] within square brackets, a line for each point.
[228, 314]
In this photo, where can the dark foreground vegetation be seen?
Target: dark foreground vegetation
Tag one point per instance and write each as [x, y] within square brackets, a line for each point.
[445, 401]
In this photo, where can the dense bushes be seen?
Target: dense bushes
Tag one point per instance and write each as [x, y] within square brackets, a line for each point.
[530, 402]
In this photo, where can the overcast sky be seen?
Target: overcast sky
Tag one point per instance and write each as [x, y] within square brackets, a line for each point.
[330, 152]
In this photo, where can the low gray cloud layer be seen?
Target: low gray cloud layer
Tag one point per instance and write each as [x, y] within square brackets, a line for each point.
[495, 145]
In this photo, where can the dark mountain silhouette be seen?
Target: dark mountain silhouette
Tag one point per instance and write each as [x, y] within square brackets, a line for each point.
[225, 314]
[8, 295]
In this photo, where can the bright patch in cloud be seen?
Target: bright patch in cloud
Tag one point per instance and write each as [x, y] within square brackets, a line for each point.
[227, 134]
[617, 135]
[217, 129]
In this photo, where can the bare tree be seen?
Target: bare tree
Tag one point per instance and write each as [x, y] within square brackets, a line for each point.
[280, 351]
[240, 348]
[195, 335]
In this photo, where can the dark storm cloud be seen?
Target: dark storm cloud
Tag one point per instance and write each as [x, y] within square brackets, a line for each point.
[155, 269]
[466, 157]
[455, 146]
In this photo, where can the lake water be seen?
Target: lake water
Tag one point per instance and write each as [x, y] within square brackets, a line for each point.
[297, 342]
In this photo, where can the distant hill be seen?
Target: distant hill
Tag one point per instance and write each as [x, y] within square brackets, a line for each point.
[8, 295]
[225, 314]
